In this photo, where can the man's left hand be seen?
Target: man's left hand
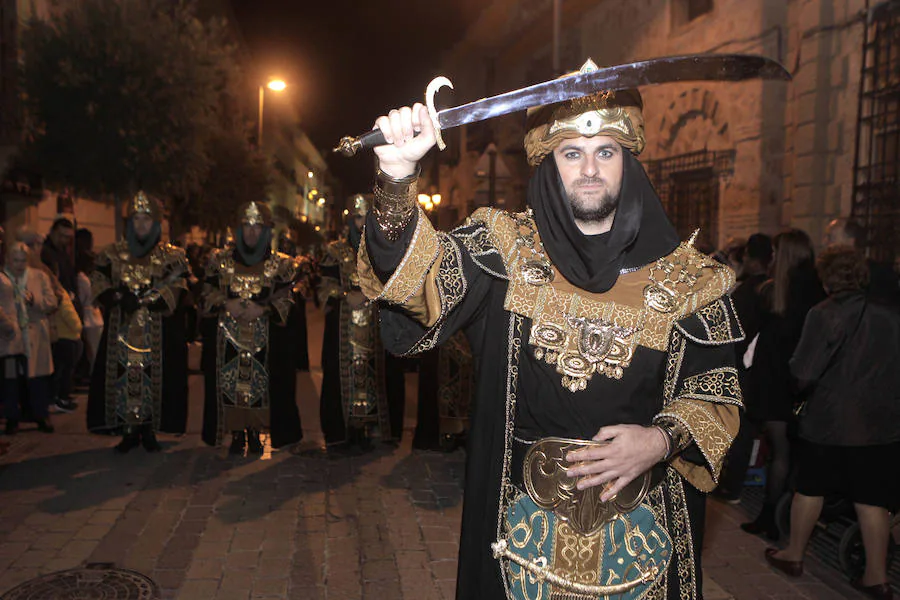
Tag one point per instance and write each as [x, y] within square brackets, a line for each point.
[630, 450]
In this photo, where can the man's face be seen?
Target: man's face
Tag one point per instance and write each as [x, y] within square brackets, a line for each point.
[62, 237]
[359, 221]
[251, 234]
[18, 260]
[143, 224]
[591, 172]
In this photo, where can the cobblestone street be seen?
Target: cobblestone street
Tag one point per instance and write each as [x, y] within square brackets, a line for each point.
[383, 526]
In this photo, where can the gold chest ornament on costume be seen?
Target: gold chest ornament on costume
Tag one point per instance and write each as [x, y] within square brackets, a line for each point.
[582, 335]
[247, 285]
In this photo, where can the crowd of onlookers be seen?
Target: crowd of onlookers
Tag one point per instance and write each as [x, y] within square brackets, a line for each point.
[821, 384]
[49, 327]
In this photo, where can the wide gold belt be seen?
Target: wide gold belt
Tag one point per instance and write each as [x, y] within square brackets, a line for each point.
[545, 474]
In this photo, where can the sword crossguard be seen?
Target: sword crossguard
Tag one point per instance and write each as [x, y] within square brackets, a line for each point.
[433, 87]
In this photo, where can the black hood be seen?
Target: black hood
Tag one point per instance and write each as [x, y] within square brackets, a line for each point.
[641, 231]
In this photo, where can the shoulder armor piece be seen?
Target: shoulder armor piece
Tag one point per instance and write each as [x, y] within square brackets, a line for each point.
[714, 324]
[489, 236]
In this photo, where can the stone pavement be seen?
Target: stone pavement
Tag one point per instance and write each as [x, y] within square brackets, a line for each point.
[204, 526]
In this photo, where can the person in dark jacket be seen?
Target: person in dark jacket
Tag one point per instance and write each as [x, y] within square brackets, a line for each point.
[793, 289]
[849, 427]
[757, 256]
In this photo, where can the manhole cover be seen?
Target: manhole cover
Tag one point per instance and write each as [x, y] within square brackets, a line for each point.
[100, 582]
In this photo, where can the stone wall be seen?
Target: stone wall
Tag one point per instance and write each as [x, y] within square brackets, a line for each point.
[793, 142]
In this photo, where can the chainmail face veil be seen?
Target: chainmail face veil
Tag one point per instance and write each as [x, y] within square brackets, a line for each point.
[138, 246]
[640, 234]
[253, 255]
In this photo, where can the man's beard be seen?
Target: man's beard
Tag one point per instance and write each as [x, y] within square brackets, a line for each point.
[590, 211]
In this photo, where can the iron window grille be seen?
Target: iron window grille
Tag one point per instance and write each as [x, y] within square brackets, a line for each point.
[688, 185]
[876, 177]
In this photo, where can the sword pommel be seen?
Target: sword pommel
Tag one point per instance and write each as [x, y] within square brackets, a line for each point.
[350, 146]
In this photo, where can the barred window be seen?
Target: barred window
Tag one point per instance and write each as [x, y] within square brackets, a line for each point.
[876, 181]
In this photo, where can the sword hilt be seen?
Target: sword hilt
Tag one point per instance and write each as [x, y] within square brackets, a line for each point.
[350, 146]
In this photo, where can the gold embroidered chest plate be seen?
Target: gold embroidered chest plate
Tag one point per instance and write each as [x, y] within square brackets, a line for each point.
[248, 282]
[138, 274]
[583, 334]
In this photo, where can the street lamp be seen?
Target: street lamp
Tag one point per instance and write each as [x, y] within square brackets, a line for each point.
[276, 85]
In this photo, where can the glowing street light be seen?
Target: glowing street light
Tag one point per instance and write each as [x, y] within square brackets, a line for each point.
[276, 85]
[346, 212]
[310, 174]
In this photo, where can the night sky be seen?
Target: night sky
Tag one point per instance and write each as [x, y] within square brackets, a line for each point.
[348, 61]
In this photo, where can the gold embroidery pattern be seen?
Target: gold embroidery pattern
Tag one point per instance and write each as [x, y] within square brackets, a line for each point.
[579, 556]
[718, 385]
[451, 287]
[680, 533]
[674, 359]
[706, 430]
[409, 277]
[580, 333]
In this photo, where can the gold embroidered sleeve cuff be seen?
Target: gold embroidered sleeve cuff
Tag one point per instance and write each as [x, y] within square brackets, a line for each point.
[711, 426]
[395, 203]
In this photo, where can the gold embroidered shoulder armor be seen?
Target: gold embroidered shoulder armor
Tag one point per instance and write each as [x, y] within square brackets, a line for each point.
[714, 324]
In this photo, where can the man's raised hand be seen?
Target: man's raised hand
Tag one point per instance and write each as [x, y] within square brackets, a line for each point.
[409, 133]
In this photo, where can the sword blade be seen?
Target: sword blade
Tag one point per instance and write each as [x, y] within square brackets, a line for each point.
[699, 67]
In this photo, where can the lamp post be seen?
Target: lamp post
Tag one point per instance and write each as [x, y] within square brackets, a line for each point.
[276, 85]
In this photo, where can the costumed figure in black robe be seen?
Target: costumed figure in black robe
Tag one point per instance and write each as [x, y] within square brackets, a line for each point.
[139, 383]
[357, 376]
[446, 387]
[607, 395]
[250, 375]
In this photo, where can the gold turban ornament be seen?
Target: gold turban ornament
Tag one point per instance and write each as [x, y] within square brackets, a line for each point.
[145, 205]
[256, 213]
[614, 114]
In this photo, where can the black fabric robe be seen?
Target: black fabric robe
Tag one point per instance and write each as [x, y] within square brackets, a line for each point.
[278, 356]
[172, 343]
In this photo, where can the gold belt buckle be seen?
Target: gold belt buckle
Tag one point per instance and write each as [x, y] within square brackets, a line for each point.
[546, 476]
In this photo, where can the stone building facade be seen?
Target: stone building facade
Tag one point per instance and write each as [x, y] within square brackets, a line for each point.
[732, 159]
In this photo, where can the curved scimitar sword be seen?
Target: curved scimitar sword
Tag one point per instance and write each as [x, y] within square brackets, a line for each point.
[698, 67]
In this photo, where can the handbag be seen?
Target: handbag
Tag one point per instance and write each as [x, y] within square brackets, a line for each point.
[562, 542]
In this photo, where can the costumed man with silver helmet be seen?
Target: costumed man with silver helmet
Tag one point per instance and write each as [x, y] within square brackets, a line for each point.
[250, 370]
[362, 389]
[139, 383]
[607, 395]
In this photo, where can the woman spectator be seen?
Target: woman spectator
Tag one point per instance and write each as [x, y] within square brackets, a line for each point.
[92, 318]
[850, 426]
[34, 301]
[12, 350]
[793, 289]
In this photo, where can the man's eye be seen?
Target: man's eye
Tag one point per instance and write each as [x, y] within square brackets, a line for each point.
[606, 154]
[572, 155]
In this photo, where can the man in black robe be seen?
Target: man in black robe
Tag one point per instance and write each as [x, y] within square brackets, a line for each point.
[139, 384]
[249, 367]
[362, 395]
[607, 395]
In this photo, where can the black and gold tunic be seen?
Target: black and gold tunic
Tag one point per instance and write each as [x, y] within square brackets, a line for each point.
[354, 394]
[556, 360]
[140, 374]
[250, 378]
